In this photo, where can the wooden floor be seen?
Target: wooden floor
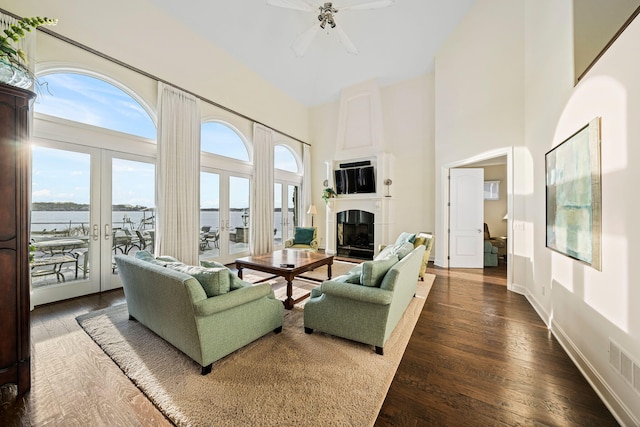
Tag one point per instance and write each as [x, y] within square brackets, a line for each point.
[479, 356]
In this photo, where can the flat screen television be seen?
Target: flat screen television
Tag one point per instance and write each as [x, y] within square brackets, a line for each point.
[355, 180]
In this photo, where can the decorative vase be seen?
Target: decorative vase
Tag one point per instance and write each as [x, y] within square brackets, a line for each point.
[14, 75]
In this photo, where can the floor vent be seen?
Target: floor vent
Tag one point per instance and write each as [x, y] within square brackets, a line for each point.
[614, 355]
[624, 365]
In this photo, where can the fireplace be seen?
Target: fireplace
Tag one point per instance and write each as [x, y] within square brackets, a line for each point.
[355, 234]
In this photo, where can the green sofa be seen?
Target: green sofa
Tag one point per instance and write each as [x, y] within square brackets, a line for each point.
[175, 306]
[367, 314]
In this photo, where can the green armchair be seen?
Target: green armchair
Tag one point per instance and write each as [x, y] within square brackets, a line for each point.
[304, 238]
[490, 254]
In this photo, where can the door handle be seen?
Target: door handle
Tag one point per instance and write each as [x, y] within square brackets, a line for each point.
[96, 232]
[107, 233]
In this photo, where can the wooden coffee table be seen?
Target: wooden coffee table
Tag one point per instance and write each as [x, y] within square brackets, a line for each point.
[287, 264]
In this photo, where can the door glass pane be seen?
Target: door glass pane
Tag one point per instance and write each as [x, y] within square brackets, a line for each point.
[238, 214]
[292, 211]
[132, 201]
[277, 215]
[209, 215]
[60, 220]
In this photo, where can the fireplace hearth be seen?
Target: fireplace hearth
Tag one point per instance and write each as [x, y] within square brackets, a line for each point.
[355, 234]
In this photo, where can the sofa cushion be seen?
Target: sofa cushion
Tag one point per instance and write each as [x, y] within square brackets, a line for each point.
[399, 250]
[212, 264]
[373, 271]
[167, 258]
[234, 281]
[405, 237]
[214, 281]
[147, 256]
[303, 235]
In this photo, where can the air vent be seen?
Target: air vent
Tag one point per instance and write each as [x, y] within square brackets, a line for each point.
[624, 365]
[614, 355]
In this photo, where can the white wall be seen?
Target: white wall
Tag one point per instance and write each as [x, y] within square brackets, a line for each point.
[479, 93]
[170, 52]
[506, 77]
[407, 109]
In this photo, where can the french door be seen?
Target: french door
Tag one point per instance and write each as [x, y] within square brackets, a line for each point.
[88, 204]
[285, 215]
[224, 215]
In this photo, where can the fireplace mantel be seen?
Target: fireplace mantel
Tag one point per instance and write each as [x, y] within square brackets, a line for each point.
[379, 206]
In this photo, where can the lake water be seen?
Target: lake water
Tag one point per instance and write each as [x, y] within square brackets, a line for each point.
[62, 220]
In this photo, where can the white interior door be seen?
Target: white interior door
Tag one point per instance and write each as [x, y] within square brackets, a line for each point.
[466, 213]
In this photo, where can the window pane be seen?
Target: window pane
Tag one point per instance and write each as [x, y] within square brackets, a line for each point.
[238, 214]
[277, 214]
[220, 139]
[283, 159]
[94, 102]
[209, 215]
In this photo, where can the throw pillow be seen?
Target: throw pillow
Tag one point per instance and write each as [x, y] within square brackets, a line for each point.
[350, 277]
[211, 264]
[405, 237]
[373, 271]
[236, 283]
[214, 281]
[147, 256]
[419, 241]
[303, 235]
[404, 250]
[167, 258]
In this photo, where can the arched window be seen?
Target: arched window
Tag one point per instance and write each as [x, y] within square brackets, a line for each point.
[283, 159]
[86, 99]
[220, 139]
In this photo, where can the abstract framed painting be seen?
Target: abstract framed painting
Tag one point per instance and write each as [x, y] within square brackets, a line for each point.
[574, 196]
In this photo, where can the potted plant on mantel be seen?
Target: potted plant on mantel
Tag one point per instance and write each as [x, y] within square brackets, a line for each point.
[13, 60]
[328, 193]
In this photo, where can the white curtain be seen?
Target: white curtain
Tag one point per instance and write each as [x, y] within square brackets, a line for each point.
[177, 175]
[261, 214]
[305, 200]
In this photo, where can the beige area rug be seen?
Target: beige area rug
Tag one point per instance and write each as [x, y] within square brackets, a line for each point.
[288, 379]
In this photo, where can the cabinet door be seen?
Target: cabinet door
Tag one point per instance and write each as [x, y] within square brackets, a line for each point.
[14, 244]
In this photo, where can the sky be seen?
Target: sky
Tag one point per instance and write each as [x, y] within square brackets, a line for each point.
[64, 176]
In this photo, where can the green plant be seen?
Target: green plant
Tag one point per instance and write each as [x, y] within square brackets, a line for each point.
[327, 194]
[14, 33]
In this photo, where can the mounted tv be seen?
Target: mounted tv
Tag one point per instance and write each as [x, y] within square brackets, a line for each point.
[356, 180]
[366, 180]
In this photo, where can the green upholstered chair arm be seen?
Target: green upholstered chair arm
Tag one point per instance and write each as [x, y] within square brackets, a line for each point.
[289, 244]
[357, 292]
[232, 299]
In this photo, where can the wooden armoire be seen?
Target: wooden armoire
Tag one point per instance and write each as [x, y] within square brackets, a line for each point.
[15, 177]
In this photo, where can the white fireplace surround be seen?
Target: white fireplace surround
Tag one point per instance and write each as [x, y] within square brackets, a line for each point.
[360, 137]
[379, 206]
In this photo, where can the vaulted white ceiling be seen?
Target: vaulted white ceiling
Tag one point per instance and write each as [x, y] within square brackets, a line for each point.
[394, 43]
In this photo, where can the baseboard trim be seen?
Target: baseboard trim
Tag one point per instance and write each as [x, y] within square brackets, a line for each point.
[617, 408]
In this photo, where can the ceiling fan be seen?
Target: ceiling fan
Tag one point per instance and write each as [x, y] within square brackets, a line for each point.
[326, 17]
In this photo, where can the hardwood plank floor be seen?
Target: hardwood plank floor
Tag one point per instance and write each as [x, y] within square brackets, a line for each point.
[479, 356]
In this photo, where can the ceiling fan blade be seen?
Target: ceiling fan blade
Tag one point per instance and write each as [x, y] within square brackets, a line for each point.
[346, 41]
[293, 4]
[377, 4]
[303, 41]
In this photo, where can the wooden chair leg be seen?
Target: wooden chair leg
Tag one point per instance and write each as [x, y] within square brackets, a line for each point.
[379, 351]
